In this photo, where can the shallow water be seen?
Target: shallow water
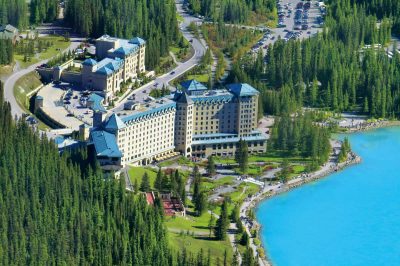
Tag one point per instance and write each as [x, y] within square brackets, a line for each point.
[349, 218]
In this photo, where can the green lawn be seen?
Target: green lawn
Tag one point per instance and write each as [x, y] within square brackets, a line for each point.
[180, 53]
[203, 78]
[25, 85]
[166, 163]
[6, 69]
[297, 169]
[182, 160]
[185, 161]
[267, 158]
[191, 223]
[209, 184]
[243, 191]
[198, 237]
[194, 244]
[136, 173]
[253, 169]
[179, 18]
[59, 45]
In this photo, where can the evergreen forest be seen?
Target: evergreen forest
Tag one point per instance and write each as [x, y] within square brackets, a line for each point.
[233, 11]
[153, 20]
[6, 52]
[344, 68]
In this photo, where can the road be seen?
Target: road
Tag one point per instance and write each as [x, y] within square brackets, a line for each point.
[199, 50]
[16, 110]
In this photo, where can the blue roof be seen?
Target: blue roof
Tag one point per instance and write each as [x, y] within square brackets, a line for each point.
[97, 102]
[105, 144]
[39, 97]
[242, 89]
[58, 140]
[107, 66]
[148, 112]
[89, 62]
[114, 123]
[213, 98]
[193, 85]
[125, 50]
[137, 40]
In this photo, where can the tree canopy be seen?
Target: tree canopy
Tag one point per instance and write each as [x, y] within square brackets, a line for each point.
[61, 210]
[153, 20]
[343, 68]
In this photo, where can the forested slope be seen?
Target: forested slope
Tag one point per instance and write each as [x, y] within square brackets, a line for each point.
[334, 70]
[235, 11]
[55, 211]
[382, 9]
[14, 12]
[153, 20]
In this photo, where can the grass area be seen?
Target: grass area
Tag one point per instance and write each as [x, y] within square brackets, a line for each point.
[181, 161]
[242, 192]
[179, 18]
[182, 52]
[166, 163]
[166, 65]
[194, 244]
[203, 78]
[174, 49]
[296, 170]
[6, 69]
[25, 85]
[253, 169]
[192, 233]
[185, 161]
[190, 223]
[267, 158]
[136, 173]
[210, 184]
[59, 45]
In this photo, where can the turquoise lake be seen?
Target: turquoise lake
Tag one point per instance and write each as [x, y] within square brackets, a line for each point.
[349, 218]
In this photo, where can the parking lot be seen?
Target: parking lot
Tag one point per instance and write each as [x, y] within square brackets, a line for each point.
[297, 20]
[64, 104]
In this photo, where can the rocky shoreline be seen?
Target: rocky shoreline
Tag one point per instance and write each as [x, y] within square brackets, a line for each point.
[366, 126]
[252, 202]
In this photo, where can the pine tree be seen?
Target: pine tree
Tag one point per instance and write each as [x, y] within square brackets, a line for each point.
[159, 180]
[145, 184]
[242, 156]
[244, 240]
[211, 166]
[222, 222]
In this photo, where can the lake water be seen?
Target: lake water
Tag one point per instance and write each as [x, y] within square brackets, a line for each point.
[349, 218]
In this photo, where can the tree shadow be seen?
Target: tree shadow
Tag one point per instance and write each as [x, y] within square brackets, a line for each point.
[206, 238]
[201, 227]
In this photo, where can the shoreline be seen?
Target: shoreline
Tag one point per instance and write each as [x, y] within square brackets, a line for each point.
[364, 127]
[352, 159]
[253, 202]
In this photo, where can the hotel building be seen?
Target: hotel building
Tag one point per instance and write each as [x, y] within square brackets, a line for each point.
[119, 61]
[193, 122]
